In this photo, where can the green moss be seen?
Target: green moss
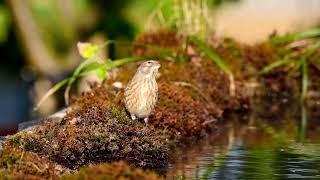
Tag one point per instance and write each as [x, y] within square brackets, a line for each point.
[119, 113]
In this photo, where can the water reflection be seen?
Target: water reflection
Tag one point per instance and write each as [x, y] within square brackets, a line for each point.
[255, 147]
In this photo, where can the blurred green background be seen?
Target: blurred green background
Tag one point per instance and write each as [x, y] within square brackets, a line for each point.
[38, 37]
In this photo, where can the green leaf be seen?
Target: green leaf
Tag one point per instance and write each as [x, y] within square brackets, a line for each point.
[52, 91]
[84, 65]
[271, 66]
[87, 50]
[101, 73]
[91, 67]
[94, 66]
[80, 70]
[213, 55]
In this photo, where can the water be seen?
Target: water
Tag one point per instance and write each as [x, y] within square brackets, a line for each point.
[262, 145]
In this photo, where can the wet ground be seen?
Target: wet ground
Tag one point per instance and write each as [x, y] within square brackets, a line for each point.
[254, 147]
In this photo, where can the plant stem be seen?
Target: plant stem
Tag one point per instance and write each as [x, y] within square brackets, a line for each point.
[304, 66]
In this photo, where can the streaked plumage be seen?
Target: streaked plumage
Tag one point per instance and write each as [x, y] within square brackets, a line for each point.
[141, 93]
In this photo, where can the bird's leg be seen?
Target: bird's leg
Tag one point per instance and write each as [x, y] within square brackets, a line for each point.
[146, 120]
[133, 117]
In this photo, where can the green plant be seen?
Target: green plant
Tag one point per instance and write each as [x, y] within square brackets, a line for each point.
[313, 33]
[189, 17]
[301, 62]
[218, 60]
[90, 64]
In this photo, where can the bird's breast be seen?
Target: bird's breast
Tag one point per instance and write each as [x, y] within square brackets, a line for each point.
[141, 96]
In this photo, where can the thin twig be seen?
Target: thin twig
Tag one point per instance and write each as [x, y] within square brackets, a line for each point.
[232, 87]
[66, 95]
[21, 157]
[209, 121]
[35, 166]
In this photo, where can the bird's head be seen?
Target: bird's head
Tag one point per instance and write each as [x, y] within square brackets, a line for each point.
[149, 68]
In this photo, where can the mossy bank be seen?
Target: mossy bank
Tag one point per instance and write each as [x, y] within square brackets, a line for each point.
[193, 96]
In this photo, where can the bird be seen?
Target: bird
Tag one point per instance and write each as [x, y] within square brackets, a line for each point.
[141, 93]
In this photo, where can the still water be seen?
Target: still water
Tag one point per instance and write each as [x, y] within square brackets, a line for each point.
[281, 141]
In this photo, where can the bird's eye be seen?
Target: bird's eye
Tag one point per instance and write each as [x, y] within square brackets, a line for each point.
[149, 62]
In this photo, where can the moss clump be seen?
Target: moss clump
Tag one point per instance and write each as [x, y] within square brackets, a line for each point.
[116, 170]
[96, 131]
[245, 61]
[182, 113]
[149, 43]
[200, 71]
[192, 97]
[16, 163]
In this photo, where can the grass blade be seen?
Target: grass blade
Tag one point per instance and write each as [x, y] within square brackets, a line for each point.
[304, 66]
[213, 55]
[296, 36]
[52, 91]
[271, 66]
[216, 58]
[123, 61]
[303, 124]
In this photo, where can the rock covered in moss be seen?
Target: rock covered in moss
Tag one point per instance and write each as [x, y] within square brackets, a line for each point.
[191, 97]
[113, 171]
[16, 163]
[182, 113]
[96, 131]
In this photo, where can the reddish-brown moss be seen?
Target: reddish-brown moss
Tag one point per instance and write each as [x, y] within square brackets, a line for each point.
[97, 131]
[192, 96]
[260, 55]
[116, 170]
[149, 43]
[181, 113]
[16, 163]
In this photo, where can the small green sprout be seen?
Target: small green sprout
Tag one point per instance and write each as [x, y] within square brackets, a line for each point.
[300, 62]
[89, 52]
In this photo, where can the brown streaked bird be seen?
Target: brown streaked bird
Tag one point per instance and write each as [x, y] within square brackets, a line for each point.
[141, 93]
